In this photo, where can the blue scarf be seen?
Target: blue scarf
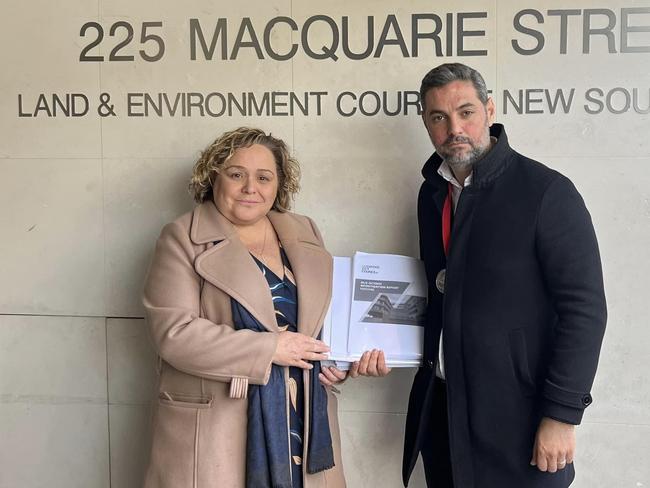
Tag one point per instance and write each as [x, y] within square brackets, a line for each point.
[267, 448]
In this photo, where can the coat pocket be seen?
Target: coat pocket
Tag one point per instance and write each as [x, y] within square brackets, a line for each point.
[185, 400]
[519, 359]
[174, 450]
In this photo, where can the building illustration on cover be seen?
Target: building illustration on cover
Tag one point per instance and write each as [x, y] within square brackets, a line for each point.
[396, 309]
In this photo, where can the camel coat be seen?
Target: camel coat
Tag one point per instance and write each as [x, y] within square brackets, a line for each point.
[205, 365]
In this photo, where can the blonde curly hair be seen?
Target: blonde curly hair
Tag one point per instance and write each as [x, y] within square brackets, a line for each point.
[215, 156]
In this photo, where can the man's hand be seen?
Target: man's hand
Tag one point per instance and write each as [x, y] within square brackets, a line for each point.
[371, 363]
[555, 444]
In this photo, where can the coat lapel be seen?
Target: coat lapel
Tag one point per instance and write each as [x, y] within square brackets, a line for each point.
[430, 173]
[440, 194]
[312, 267]
[228, 265]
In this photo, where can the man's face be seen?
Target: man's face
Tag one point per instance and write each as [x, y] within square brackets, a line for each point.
[458, 123]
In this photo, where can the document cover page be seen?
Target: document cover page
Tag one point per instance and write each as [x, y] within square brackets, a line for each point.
[388, 306]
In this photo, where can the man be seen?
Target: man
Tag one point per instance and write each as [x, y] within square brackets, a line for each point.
[516, 310]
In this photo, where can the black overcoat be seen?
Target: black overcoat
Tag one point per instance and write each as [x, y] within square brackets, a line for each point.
[523, 316]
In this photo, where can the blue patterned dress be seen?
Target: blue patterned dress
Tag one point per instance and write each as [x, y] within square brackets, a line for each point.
[285, 302]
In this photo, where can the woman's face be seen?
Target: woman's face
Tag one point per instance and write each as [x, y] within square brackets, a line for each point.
[245, 189]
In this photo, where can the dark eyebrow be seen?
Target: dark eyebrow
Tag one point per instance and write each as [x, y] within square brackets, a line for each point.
[435, 111]
[462, 107]
[466, 105]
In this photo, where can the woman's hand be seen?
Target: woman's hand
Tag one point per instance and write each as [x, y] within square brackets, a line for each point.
[331, 376]
[371, 363]
[295, 349]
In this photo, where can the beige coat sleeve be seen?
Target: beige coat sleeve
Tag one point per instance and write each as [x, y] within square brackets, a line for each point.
[185, 339]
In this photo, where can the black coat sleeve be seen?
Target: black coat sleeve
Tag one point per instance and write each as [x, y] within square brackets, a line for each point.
[570, 261]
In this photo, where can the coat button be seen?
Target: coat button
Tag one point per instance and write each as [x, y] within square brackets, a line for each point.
[586, 400]
[430, 363]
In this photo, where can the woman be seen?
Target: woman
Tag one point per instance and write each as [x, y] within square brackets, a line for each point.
[235, 299]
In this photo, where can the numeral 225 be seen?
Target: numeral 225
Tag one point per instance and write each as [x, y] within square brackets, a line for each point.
[123, 31]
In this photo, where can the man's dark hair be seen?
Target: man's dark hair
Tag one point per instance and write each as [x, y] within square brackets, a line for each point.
[449, 72]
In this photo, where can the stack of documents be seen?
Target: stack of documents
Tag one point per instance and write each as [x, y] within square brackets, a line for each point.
[378, 302]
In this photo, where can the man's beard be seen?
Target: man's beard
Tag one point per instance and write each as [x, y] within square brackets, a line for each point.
[458, 159]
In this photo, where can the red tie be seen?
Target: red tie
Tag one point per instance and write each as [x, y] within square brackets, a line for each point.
[446, 220]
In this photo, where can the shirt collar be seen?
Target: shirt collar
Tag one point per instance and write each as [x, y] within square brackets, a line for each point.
[445, 171]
